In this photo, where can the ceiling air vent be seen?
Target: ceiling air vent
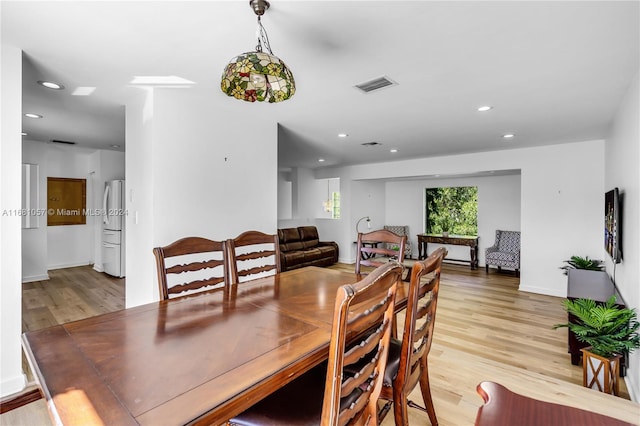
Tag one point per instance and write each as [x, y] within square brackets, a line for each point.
[371, 144]
[63, 142]
[376, 84]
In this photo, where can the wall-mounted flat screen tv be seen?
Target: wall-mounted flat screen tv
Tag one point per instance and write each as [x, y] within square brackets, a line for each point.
[612, 225]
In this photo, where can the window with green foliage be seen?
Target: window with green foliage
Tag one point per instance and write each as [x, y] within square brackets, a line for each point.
[335, 205]
[452, 209]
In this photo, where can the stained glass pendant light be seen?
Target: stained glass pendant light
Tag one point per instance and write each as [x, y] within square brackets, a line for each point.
[258, 75]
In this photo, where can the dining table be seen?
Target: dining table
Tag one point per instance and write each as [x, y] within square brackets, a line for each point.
[196, 359]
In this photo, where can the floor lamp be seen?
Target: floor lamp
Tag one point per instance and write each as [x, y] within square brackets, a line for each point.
[360, 220]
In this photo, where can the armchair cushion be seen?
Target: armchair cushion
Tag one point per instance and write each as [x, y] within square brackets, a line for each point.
[401, 230]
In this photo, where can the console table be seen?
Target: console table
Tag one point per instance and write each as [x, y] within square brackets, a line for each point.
[595, 285]
[456, 240]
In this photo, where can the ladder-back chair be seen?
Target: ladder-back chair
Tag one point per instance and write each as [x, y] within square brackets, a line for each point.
[327, 395]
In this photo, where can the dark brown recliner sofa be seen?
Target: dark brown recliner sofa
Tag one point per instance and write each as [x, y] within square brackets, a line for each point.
[301, 247]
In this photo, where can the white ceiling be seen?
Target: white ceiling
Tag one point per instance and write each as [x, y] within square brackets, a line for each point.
[554, 72]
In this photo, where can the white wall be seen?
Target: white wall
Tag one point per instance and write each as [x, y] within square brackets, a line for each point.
[69, 245]
[196, 168]
[561, 211]
[561, 197]
[368, 198]
[622, 160]
[285, 196]
[139, 222]
[12, 378]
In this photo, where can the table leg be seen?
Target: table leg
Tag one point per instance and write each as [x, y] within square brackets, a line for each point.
[422, 250]
[575, 358]
[474, 257]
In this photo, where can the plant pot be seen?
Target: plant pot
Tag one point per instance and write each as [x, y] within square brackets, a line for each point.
[600, 373]
[445, 233]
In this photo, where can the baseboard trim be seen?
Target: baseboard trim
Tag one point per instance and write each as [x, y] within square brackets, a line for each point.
[68, 265]
[34, 278]
[98, 268]
[545, 291]
[19, 399]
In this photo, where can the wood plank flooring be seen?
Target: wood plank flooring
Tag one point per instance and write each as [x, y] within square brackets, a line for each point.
[486, 329]
[69, 295]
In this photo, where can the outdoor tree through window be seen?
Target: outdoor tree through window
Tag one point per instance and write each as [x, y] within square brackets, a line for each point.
[452, 209]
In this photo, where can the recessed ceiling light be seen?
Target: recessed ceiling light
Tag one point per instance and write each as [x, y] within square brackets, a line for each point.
[342, 135]
[51, 85]
[393, 150]
[115, 146]
[508, 135]
[24, 134]
[485, 108]
[31, 115]
[321, 160]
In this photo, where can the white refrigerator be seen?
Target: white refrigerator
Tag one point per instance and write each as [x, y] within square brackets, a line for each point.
[113, 228]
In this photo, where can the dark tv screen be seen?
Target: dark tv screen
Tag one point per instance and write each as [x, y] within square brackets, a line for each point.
[612, 224]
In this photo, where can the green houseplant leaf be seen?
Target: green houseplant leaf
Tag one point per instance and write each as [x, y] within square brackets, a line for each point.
[607, 328]
[578, 262]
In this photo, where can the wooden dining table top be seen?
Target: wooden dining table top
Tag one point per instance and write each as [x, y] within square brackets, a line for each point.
[198, 359]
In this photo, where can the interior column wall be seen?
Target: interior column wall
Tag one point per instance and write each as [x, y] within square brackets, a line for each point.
[12, 379]
[194, 174]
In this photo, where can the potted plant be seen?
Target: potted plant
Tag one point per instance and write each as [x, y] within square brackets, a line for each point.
[578, 262]
[610, 331]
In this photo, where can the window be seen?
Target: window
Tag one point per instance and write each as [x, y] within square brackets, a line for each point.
[452, 209]
[330, 198]
[335, 205]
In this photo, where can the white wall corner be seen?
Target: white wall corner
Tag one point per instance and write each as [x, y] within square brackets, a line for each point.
[12, 378]
[12, 385]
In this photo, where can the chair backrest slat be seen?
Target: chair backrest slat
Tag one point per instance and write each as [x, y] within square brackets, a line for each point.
[194, 266]
[194, 285]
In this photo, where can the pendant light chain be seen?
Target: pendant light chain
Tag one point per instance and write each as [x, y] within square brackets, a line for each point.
[263, 38]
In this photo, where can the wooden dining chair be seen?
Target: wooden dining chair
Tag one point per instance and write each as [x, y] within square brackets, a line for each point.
[378, 247]
[326, 395]
[253, 253]
[203, 263]
[407, 362]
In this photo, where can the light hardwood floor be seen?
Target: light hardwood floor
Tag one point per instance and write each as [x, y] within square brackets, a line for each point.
[485, 330]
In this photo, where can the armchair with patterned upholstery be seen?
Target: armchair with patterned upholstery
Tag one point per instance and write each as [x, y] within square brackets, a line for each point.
[401, 230]
[505, 252]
